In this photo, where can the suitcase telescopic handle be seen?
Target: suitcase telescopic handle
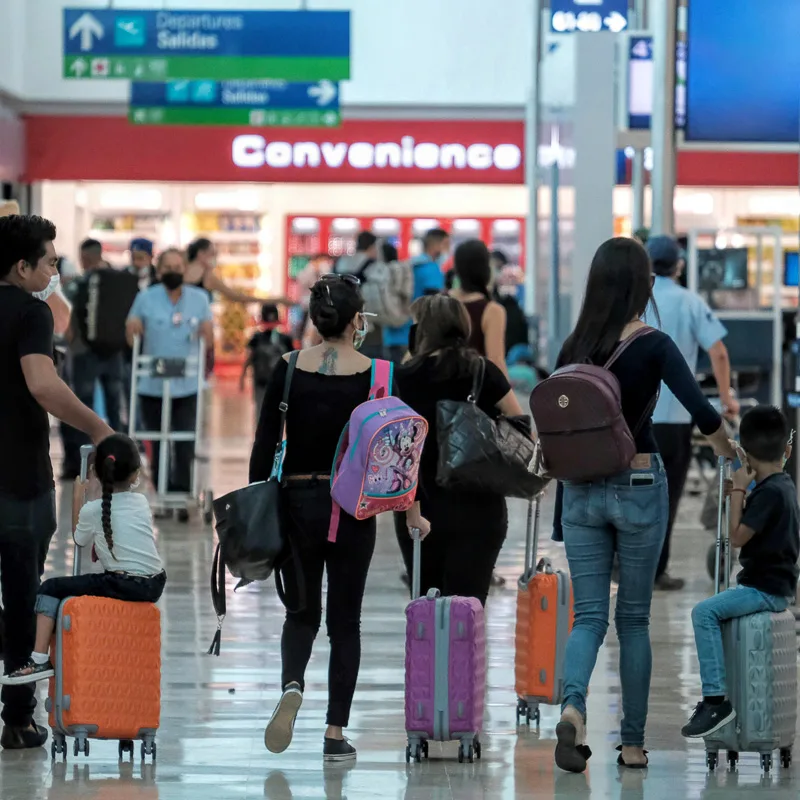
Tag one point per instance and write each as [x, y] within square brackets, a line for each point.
[78, 499]
[416, 563]
[532, 534]
[723, 529]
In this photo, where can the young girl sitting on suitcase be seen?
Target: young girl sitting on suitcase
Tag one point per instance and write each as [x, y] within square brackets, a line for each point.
[765, 525]
[120, 526]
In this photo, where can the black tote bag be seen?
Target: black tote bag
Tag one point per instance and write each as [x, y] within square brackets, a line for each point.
[480, 454]
[252, 544]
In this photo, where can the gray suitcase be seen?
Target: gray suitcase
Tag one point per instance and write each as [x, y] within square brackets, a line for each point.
[761, 668]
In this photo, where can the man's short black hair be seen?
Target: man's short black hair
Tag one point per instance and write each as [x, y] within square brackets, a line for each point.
[500, 257]
[23, 238]
[270, 314]
[196, 247]
[764, 433]
[434, 236]
[365, 240]
[91, 244]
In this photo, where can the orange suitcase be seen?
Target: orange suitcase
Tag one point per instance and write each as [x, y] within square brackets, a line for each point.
[107, 659]
[544, 621]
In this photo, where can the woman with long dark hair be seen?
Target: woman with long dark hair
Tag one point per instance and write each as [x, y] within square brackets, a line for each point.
[627, 513]
[329, 381]
[472, 267]
[467, 529]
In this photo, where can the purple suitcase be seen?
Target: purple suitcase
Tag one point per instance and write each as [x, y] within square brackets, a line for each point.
[445, 670]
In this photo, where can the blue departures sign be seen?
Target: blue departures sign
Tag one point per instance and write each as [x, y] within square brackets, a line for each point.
[589, 16]
[160, 45]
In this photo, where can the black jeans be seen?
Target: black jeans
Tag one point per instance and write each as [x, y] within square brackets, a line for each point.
[85, 370]
[184, 414]
[307, 513]
[459, 554]
[675, 446]
[26, 527]
[114, 585]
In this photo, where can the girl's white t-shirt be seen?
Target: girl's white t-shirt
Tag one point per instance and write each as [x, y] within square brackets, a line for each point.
[132, 530]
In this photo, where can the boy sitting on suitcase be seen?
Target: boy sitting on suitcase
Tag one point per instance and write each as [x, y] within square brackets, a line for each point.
[133, 569]
[765, 525]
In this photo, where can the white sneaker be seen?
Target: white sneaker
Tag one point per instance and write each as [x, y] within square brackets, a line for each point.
[280, 728]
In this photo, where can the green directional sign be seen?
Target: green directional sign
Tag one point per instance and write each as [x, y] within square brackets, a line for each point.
[160, 45]
[255, 117]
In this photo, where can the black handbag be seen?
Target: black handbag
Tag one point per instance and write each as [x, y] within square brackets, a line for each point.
[251, 544]
[481, 454]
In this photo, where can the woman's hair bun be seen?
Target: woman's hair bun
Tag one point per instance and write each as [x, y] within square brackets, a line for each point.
[333, 305]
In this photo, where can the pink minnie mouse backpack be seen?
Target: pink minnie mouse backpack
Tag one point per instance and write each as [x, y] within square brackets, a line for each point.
[377, 460]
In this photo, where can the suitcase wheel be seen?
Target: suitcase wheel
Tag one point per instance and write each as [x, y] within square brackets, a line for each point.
[149, 749]
[733, 760]
[417, 752]
[786, 757]
[58, 747]
[766, 762]
[466, 751]
[712, 757]
[80, 745]
[125, 746]
[477, 749]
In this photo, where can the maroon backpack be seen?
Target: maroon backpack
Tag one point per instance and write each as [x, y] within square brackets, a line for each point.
[577, 413]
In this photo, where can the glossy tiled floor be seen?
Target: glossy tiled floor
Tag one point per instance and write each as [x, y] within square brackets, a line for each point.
[214, 709]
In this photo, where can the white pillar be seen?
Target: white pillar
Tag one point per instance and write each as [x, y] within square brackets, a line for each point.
[663, 19]
[595, 153]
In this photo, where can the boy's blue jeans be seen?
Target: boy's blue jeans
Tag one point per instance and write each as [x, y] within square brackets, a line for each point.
[600, 519]
[707, 618]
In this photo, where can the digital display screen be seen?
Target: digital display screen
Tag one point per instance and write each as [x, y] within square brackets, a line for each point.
[791, 269]
[722, 269]
[743, 81]
[640, 83]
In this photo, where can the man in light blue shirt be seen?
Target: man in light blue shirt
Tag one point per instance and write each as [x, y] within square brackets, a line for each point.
[691, 324]
[171, 319]
[428, 279]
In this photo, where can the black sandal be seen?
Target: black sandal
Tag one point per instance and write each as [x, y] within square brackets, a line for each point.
[621, 760]
[569, 756]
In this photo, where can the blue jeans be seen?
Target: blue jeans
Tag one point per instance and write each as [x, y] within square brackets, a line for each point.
[600, 519]
[707, 618]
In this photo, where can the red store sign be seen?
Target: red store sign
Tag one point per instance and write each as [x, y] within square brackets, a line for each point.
[361, 151]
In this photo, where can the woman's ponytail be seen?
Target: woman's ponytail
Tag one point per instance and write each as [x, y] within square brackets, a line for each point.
[107, 479]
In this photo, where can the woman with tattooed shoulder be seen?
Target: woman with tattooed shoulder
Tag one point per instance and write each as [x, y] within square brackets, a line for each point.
[329, 381]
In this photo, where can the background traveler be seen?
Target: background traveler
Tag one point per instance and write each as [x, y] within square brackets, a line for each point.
[142, 262]
[31, 390]
[626, 513]
[689, 322]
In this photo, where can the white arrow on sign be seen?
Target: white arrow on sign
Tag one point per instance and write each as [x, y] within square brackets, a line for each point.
[87, 26]
[325, 92]
[615, 22]
[79, 66]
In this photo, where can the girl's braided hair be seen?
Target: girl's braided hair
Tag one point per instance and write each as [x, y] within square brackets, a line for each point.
[117, 460]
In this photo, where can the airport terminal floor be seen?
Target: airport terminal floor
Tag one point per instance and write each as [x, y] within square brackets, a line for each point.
[211, 741]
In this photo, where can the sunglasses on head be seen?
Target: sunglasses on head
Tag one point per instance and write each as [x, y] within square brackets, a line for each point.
[347, 278]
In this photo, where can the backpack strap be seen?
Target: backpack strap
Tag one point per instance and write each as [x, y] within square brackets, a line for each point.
[381, 379]
[623, 346]
[218, 599]
[280, 449]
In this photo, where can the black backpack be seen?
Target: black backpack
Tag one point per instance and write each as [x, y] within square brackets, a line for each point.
[103, 301]
[268, 350]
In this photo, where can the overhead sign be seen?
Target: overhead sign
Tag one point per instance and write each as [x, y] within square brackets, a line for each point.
[151, 45]
[256, 103]
[588, 16]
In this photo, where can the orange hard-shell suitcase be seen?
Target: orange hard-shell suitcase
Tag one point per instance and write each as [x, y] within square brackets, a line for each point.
[544, 622]
[107, 659]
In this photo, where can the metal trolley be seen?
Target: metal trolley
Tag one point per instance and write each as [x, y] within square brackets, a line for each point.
[168, 370]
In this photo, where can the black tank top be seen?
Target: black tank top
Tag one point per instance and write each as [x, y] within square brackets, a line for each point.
[475, 309]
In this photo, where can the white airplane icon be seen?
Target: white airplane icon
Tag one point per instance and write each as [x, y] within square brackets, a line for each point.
[129, 27]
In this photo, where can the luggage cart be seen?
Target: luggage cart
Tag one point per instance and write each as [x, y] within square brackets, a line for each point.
[168, 370]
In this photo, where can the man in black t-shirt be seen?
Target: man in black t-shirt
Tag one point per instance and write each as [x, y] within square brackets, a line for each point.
[767, 527]
[31, 389]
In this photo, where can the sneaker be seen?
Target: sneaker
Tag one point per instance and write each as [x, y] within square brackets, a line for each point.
[665, 583]
[30, 673]
[23, 738]
[338, 750]
[708, 719]
[280, 729]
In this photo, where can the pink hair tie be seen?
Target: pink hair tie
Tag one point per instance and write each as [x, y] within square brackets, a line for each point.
[111, 458]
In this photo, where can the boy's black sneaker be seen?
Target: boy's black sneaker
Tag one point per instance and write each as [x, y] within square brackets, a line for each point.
[708, 719]
[338, 750]
[14, 738]
[29, 673]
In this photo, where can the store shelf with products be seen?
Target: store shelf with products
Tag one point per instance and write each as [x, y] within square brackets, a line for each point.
[116, 230]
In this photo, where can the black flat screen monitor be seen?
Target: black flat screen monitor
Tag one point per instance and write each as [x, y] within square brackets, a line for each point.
[722, 269]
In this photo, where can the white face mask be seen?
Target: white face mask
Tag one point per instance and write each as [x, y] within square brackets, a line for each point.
[51, 287]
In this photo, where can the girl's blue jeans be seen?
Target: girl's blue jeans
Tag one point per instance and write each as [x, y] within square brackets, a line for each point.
[601, 519]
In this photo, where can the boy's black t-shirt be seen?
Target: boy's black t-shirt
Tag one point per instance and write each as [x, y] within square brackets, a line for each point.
[769, 559]
[26, 328]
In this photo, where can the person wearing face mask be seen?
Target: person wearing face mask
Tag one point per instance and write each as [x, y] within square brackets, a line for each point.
[31, 389]
[329, 381]
[428, 279]
[171, 318]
